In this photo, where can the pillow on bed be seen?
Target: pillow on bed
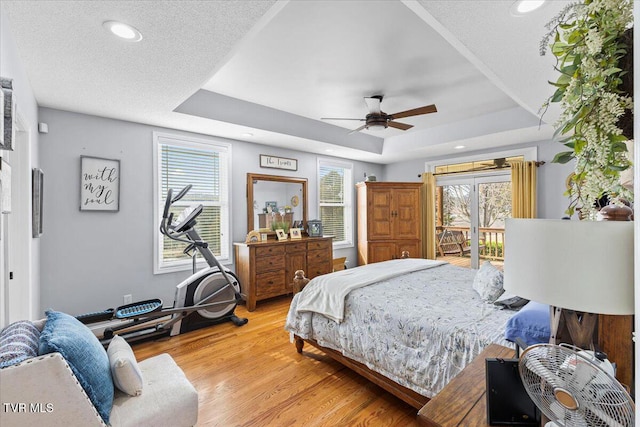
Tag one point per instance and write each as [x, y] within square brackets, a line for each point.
[532, 323]
[511, 301]
[488, 282]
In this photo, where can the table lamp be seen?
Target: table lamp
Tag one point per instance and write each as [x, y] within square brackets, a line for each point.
[580, 268]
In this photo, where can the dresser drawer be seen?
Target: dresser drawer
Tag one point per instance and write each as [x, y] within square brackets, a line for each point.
[318, 256]
[270, 284]
[319, 244]
[270, 250]
[269, 263]
[317, 269]
[296, 247]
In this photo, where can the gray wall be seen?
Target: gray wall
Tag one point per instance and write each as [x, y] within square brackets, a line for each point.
[91, 259]
[552, 202]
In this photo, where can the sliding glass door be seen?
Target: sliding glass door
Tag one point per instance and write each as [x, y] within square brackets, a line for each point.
[470, 214]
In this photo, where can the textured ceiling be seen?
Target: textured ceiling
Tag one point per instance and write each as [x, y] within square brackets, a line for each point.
[283, 65]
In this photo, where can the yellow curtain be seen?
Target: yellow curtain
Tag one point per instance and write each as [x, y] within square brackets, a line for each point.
[523, 189]
[429, 215]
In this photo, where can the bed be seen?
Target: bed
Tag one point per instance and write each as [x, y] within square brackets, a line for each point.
[409, 332]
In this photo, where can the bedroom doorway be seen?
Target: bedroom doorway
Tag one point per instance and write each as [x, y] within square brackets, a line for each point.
[470, 215]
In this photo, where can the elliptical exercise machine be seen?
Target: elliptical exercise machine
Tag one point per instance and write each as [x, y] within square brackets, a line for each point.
[207, 297]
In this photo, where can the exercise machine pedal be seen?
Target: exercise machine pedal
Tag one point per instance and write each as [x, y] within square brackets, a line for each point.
[96, 316]
[138, 309]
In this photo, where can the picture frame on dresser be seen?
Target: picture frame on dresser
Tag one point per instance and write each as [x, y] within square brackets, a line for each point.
[296, 233]
[281, 234]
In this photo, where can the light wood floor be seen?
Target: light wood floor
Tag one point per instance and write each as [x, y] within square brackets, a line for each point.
[252, 376]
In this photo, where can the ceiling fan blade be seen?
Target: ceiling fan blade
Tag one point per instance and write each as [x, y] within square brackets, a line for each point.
[402, 126]
[339, 118]
[415, 112]
[373, 103]
[358, 130]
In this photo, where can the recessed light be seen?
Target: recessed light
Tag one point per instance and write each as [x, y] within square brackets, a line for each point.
[459, 147]
[329, 150]
[246, 134]
[522, 7]
[124, 31]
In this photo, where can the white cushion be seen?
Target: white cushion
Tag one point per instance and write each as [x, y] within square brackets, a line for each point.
[488, 282]
[124, 367]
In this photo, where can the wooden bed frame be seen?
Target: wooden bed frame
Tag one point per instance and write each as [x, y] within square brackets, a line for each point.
[409, 396]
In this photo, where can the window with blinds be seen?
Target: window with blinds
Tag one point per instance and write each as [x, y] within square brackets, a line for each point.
[335, 182]
[205, 165]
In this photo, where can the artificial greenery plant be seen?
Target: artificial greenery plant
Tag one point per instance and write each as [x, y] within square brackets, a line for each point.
[592, 43]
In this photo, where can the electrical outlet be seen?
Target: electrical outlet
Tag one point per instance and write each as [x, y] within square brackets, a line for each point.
[128, 299]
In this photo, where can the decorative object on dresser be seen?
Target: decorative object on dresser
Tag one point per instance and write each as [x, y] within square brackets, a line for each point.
[296, 233]
[389, 220]
[253, 237]
[266, 269]
[314, 228]
[581, 269]
[281, 234]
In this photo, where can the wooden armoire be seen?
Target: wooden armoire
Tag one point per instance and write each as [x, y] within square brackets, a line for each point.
[389, 220]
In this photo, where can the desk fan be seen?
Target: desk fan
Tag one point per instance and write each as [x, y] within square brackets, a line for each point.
[572, 389]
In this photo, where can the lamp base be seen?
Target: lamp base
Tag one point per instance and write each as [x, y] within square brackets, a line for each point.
[573, 327]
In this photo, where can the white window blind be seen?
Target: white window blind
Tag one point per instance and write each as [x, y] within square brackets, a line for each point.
[205, 165]
[335, 200]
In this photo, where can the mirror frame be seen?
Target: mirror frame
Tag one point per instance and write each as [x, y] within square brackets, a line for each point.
[274, 178]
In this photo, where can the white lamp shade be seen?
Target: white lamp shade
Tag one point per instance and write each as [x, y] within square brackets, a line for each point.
[585, 266]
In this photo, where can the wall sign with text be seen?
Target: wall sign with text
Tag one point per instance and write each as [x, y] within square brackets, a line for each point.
[99, 184]
[278, 162]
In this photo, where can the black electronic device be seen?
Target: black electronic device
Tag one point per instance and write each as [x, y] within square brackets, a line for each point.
[507, 400]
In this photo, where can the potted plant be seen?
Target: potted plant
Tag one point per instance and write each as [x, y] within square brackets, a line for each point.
[592, 43]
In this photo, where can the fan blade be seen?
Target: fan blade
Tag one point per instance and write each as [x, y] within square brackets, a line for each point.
[339, 118]
[415, 112]
[358, 130]
[373, 104]
[402, 126]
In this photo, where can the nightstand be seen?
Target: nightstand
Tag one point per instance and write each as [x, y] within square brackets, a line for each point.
[462, 402]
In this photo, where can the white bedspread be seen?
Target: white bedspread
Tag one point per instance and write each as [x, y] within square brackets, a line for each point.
[326, 294]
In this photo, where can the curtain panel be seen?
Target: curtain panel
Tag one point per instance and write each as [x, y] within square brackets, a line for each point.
[523, 189]
[429, 215]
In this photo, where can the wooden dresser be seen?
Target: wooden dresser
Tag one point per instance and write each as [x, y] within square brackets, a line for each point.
[266, 269]
[389, 220]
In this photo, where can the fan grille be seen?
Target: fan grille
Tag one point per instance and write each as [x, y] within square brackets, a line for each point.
[572, 390]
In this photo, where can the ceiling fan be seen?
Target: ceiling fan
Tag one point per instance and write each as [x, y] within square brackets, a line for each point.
[378, 119]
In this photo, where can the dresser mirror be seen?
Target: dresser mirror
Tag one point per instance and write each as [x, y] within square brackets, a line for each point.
[275, 202]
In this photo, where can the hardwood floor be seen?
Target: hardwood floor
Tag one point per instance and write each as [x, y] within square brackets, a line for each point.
[253, 376]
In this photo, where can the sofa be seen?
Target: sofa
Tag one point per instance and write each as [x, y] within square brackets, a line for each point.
[53, 389]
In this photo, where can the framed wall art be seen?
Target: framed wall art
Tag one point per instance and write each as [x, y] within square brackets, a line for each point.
[8, 107]
[278, 162]
[99, 184]
[37, 201]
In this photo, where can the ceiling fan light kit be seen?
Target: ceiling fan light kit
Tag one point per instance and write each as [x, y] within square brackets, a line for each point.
[378, 119]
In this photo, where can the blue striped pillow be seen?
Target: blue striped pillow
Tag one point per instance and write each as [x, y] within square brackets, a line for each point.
[18, 341]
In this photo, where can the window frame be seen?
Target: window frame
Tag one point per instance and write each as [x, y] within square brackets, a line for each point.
[348, 198]
[161, 138]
